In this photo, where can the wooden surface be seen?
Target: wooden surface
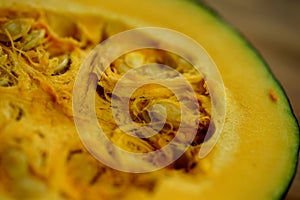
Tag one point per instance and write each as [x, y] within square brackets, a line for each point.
[273, 27]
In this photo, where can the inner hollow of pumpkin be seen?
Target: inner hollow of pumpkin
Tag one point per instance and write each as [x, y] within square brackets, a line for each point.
[145, 97]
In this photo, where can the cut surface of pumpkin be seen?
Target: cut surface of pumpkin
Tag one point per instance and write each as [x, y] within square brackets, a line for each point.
[42, 46]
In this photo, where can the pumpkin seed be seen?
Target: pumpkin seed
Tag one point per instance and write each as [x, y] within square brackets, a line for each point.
[14, 29]
[62, 66]
[34, 39]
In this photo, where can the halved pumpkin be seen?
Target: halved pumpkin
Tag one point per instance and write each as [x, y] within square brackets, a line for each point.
[43, 43]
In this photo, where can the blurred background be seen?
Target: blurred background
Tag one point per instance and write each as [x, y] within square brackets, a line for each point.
[273, 28]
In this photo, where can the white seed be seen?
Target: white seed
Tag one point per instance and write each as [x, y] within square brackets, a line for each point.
[62, 65]
[34, 39]
[134, 59]
[16, 29]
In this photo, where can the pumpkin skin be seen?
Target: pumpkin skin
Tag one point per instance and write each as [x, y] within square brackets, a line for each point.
[254, 158]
